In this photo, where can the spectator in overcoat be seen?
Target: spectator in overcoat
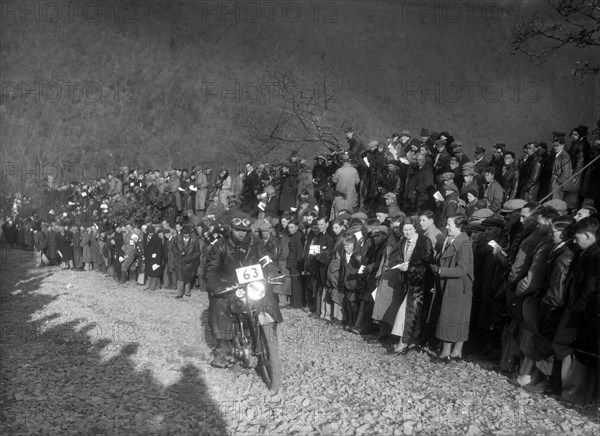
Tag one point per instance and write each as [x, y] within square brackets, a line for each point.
[454, 269]
[576, 339]
[153, 259]
[416, 254]
[186, 255]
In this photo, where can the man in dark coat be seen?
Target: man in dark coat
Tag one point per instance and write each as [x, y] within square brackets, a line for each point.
[545, 177]
[576, 342]
[295, 263]
[377, 164]
[153, 258]
[420, 185]
[481, 163]
[355, 146]
[510, 177]
[65, 241]
[186, 253]
[498, 159]
[529, 175]
[442, 158]
[53, 244]
[251, 187]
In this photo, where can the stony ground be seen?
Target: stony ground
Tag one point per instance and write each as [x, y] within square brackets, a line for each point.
[81, 355]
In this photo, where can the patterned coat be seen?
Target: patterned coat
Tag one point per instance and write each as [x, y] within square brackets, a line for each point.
[414, 286]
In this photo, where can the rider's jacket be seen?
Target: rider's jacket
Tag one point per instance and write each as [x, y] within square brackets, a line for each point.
[228, 254]
[225, 256]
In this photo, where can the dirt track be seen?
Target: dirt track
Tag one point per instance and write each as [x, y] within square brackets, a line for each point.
[83, 355]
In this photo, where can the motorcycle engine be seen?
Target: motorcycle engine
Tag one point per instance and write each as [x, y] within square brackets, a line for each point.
[238, 306]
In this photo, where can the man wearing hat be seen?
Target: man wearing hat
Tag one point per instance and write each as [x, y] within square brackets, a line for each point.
[153, 258]
[442, 158]
[251, 187]
[481, 163]
[424, 137]
[529, 175]
[377, 162]
[510, 176]
[420, 185]
[469, 182]
[404, 140]
[241, 248]
[391, 203]
[559, 205]
[493, 192]
[459, 153]
[186, 256]
[561, 167]
[355, 145]
[513, 205]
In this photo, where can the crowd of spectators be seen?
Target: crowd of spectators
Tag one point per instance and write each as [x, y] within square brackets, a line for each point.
[408, 242]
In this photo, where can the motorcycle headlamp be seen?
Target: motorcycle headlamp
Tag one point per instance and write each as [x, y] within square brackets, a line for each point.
[256, 290]
[240, 293]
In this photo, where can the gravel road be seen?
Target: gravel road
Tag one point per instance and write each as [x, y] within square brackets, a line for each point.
[83, 355]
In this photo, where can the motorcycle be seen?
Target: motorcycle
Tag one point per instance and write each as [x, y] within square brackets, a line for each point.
[255, 343]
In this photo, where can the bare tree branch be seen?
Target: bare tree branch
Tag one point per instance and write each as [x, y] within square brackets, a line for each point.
[579, 26]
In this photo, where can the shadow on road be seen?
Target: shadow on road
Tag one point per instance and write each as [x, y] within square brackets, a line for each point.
[55, 380]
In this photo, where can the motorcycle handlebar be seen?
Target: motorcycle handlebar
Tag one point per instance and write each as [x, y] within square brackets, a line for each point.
[270, 281]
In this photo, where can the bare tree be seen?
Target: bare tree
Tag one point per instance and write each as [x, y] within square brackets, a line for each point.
[304, 109]
[564, 23]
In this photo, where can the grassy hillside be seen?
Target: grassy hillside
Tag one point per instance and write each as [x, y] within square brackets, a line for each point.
[163, 84]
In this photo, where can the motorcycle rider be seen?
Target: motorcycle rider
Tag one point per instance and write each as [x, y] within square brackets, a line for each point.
[241, 248]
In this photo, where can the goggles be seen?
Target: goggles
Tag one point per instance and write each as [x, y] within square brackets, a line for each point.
[239, 221]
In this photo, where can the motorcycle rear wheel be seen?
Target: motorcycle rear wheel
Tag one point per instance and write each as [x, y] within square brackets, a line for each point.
[269, 363]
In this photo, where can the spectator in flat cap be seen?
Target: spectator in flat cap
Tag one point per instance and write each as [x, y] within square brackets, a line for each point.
[361, 216]
[459, 153]
[450, 205]
[420, 185]
[513, 205]
[456, 170]
[469, 178]
[470, 196]
[493, 192]
[559, 205]
[481, 214]
[441, 162]
[391, 203]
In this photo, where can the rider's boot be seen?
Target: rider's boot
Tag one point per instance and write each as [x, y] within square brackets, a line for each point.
[222, 354]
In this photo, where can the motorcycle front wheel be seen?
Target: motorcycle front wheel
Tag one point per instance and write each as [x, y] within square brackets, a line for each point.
[269, 364]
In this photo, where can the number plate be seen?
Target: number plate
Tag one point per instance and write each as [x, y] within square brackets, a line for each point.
[249, 274]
